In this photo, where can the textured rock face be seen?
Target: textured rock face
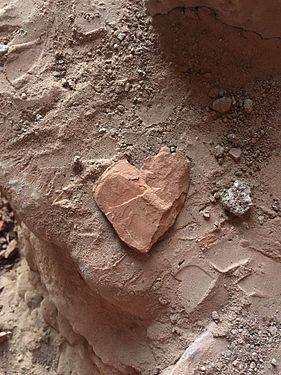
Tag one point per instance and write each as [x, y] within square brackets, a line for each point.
[222, 105]
[237, 199]
[143, 204]
[260, 16]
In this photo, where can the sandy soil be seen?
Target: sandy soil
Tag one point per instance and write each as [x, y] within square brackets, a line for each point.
[114, 84]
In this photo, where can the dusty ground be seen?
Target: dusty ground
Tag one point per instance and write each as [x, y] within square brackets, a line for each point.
[104, 82]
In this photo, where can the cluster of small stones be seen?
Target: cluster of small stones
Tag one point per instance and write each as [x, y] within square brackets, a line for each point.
[252, 144]
[250, 350]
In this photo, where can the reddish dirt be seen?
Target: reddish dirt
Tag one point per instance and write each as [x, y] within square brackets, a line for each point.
[103, 83]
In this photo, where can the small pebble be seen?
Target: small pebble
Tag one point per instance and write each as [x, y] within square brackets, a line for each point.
[219, 151]
[77, 166]
[22, 33]
[252, 365]
[235, 153]
[248, 105]
[121, 36]
[274, 362]
[39, 117]
[206, 215]
[222, 105]
[127, 87]
[173, 149]
[215, 316]
[3, 49]
[56, 74]
[261, 219]
[232, 138]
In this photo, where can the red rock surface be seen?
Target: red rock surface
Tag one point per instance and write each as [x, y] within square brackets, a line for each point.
[142, 204]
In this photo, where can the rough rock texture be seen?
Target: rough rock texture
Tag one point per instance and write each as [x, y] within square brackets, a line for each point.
[255, 15]
[115, 99]
[143, 204]
[237, 199]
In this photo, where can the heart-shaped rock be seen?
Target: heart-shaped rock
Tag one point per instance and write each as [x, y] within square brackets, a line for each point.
[142, 204]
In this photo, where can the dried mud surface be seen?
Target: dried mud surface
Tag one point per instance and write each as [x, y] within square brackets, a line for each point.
[102, 81]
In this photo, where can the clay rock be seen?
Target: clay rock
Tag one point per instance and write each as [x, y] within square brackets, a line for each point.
[222, 105]
[237, 199]
[142, 204]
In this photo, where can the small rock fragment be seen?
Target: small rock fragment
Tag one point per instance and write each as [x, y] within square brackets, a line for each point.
[222, 105]
[215, 316]
[22, 33]
[235, 153]
[121, 36]
[248, 105]
[3, 49]
[173, 149]
[274, 362]
[219, 151]
[11, 249]
[206, 215]
[32, 299]
[237, 199]
[4, 336]
[273, 330]
[261, 219]
[39, 117]
[253, 365]
[56, 74]
[77, 166]
[143, 204]
[232, 139]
